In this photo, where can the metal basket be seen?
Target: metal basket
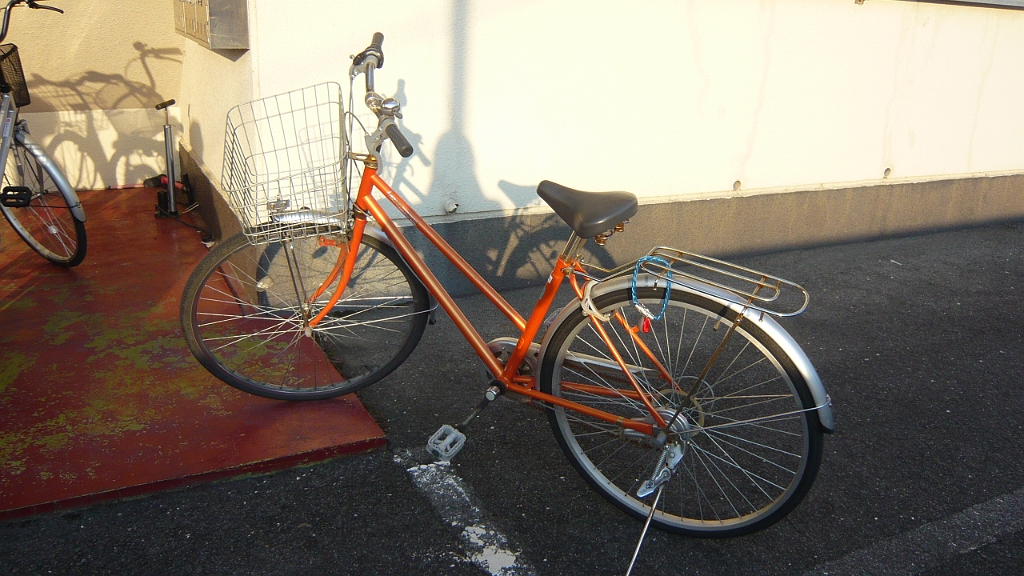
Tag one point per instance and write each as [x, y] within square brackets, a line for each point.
[284, 164]
[12, 75]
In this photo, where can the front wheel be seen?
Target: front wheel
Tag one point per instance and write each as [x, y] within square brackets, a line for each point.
[245, 314]
[750, 440]
[46, 223]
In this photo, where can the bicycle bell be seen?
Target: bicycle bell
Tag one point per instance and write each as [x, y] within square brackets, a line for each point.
[391, 107]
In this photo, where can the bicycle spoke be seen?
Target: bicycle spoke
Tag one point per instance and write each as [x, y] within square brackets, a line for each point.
[252, 317]
[744, 432]
[721, 439]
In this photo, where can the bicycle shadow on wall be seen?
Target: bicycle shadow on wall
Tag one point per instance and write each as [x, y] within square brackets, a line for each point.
[510, 250]
[97, 112]
[401, 176]
[534, 243]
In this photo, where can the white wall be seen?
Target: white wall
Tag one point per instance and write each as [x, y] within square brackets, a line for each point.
[212, 83]
[669, 99]
[94, 75]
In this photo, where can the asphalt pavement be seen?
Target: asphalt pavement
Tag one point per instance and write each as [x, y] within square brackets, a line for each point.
[919, 341]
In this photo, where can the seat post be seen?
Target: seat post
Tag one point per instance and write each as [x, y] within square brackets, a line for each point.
[573, 247]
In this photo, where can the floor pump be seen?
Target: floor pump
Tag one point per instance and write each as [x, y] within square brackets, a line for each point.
[166, 205]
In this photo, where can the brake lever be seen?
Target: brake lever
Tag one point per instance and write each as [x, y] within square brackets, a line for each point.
[36, 6]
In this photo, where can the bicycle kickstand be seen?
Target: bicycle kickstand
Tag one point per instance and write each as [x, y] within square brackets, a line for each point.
[670, 458]
[643, 534]
[449, 440]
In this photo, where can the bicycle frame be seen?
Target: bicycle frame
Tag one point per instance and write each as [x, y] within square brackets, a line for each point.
[365, 204]
[8, 116]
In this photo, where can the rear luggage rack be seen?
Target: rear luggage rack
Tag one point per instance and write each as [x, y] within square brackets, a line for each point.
[747, 287]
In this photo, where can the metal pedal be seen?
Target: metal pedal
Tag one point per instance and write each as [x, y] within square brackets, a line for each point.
[16, 196]
[446, 442]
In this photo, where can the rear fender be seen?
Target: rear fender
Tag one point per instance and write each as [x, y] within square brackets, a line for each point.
[57, 175]
[763, 321]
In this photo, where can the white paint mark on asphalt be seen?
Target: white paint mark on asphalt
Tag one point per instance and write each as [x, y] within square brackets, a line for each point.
[483, 544]
[491, 554]
[936, 543]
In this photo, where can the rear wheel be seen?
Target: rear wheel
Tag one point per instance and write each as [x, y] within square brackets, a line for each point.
[46, 223]
[245, 309]
[750, 440]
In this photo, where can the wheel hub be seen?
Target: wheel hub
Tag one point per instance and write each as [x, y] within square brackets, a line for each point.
[694, 409]
[681, 427]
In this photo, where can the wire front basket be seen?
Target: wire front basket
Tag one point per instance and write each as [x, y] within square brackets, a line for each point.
[284, 164]
[744, 286]
[12, 75]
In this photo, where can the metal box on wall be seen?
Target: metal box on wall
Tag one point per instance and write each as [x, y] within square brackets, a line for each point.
[215, 24]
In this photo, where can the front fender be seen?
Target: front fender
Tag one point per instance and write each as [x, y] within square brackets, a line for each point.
[379, 234]
[763, 321]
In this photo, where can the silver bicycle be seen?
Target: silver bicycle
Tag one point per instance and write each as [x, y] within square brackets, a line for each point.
[36, 197]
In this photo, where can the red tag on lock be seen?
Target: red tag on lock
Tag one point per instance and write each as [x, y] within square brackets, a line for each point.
[646, 325]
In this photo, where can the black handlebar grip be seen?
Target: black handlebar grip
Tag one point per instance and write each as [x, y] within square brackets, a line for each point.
[163, 105]
[374, 49]
[399, 140]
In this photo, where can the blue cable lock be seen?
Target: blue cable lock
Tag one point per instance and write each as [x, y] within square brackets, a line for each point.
[668, 286]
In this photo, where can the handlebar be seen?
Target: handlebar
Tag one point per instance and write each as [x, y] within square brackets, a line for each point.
[399, 140]
[386, 109]
[367, 60]
[31, 4]
[374, 51]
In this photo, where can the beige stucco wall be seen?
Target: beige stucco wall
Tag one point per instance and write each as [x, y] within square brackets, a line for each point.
[673, 100]
[779, 95]
[95, 74]
[213, 82]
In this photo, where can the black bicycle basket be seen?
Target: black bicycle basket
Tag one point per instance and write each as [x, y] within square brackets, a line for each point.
[11, 75]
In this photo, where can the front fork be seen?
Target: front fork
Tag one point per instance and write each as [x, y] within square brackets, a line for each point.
[347, 255]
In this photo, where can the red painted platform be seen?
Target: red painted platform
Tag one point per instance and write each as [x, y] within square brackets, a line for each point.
[99, 395]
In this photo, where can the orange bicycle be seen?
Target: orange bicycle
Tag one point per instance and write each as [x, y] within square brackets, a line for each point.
[667, 382]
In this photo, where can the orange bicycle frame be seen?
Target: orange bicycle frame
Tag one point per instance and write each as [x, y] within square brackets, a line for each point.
[365, 204]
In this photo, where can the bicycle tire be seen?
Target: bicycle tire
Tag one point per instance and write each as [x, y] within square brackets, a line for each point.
[47, 224]
[752, 441]
[243, 320]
